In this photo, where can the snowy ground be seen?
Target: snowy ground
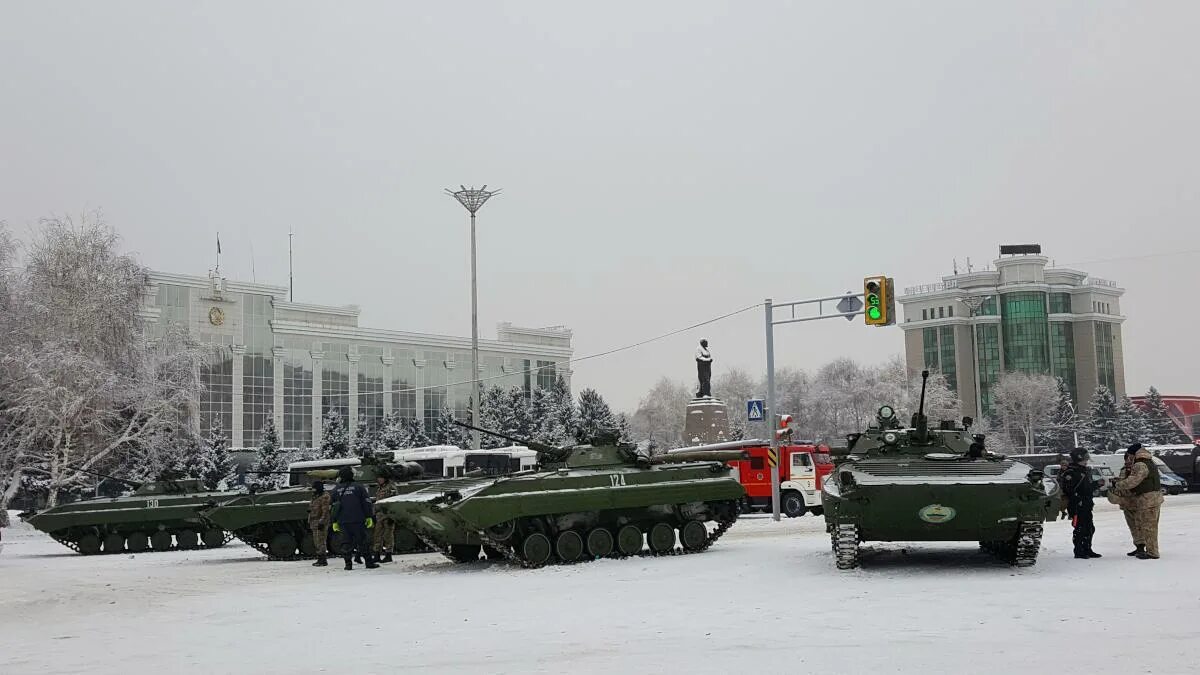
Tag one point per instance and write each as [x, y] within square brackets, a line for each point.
[765, 598]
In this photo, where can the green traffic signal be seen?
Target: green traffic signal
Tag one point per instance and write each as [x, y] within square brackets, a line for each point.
[874, 313]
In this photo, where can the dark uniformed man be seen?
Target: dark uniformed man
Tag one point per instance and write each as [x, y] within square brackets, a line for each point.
[384, 537]
[352, 516]
[318, 521]
[1078, 487]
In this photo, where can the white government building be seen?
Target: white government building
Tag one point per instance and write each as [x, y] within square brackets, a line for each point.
[295, 362]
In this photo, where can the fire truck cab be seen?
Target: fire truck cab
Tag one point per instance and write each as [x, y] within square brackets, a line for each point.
[802, 468]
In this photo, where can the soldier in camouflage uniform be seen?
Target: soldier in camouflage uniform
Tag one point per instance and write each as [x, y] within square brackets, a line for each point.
[385, 529]
[1141, 492]
[318, 520]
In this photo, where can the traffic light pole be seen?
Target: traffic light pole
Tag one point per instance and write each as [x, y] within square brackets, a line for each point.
[849, 306]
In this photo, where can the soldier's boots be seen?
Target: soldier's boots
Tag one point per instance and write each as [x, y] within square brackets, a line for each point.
[349, 565]
[1145, 555]
[321, 562]
[387, 557]
[358, 558]
[1141, 548]
[371, 564]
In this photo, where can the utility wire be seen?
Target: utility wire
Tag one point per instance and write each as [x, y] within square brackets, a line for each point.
[589, 357]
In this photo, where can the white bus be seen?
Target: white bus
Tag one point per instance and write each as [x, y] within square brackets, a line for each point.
[447, 461]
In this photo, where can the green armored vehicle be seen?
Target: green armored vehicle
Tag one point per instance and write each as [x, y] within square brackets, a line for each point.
[583, 502]
[921, 484]
[275, 522]
[157, 516]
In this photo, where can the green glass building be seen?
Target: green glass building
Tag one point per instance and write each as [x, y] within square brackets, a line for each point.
[1022, 315]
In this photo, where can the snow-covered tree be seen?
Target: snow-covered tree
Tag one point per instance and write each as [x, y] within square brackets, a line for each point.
[553, 413]
[1025, 403]
[365, 439]
[594, 416]
[1131, 423]
[391, 431]
[660, 414]
[1060, 430]
[216, 465]
[415, 435]
[271, 458]
[335, 437]
[443, 431]
[735, 387]
[1160, 428]
[1101, 430]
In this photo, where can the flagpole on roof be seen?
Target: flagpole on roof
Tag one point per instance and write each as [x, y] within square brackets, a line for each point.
[218, 269]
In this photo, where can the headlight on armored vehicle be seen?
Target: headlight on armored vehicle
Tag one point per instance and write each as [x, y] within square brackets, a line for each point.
[891, 438]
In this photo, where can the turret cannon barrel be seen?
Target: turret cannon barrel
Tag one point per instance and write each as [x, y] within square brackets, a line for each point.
[700, 456]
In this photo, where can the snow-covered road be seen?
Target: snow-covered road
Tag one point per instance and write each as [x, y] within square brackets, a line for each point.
[765, 598]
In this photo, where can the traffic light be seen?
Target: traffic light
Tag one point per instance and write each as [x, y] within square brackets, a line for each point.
[878, 295]
[784, 431]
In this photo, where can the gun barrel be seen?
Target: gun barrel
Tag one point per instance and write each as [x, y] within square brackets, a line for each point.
[532, 445]
[701, 456]
[134, 484]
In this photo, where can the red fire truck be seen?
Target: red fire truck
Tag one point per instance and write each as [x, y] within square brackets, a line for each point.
[802, 468]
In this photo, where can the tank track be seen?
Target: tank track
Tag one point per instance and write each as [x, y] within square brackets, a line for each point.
[505, 547]
[266, 551]
[845, 546]
[174, 547]
[1028, 542]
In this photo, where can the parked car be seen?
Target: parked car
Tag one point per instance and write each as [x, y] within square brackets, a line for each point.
[1172, 483]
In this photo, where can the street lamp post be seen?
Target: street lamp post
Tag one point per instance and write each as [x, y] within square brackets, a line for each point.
[473, 199]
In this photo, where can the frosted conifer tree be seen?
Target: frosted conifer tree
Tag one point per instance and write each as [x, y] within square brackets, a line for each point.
[1060, 429]
[1131, 423]
[218, 466]
[195, 458]
[415, 435]
[364, 438]
[271, 458]
[495, 413]
[335, 437]
[445, 432]
[391, 432]
[594, 415]
[1160, 428]
[1101, 430]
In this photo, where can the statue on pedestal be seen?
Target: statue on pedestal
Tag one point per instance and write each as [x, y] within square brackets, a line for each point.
[704, 370]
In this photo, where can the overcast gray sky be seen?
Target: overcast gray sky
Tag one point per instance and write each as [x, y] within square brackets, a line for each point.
[662, 163]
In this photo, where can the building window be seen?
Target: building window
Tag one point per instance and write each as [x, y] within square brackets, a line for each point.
[949, 365]
[258, 396]
[545, 374]
[987, 344]
[297, 399]
[950, 309]
[988, 307]
[527, 372]
[1060, 303]
[1062, 351]
[929, 337]
[436, 392]
[924, 314]
[941, 312]
[1025, 332]
[173, 303]
[216, 397]
[1105, 368]
[371, 378]
[404, 383]
[335, 383]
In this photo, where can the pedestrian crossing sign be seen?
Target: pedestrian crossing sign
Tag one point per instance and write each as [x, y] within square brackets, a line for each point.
[754, 410]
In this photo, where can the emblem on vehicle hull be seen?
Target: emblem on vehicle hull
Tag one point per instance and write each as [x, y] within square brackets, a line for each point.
[936, 513]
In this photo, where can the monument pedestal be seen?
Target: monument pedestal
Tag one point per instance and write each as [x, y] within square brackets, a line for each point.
[706, 421]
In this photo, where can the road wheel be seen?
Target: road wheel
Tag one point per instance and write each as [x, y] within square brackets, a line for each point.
[629, 540]
[89, 544]
[214, 538]
[600, 542]
[792, 504]
[187, 539]
[161, 541]
[308, 546]
[661, 538]
[114, 543]
[692, 535]
[282, 545]
[137, 542]
[569, 546]
[536, 549]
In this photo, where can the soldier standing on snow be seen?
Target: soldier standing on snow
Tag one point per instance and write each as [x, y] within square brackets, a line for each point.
[318, 520]
[352, 515]
[1078, 487]
[1142, 492]
[384, 538]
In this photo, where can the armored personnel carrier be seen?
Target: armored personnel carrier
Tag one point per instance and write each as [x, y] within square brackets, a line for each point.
[157, 516]
[920, 484]
[583, 502]
[275, 522]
